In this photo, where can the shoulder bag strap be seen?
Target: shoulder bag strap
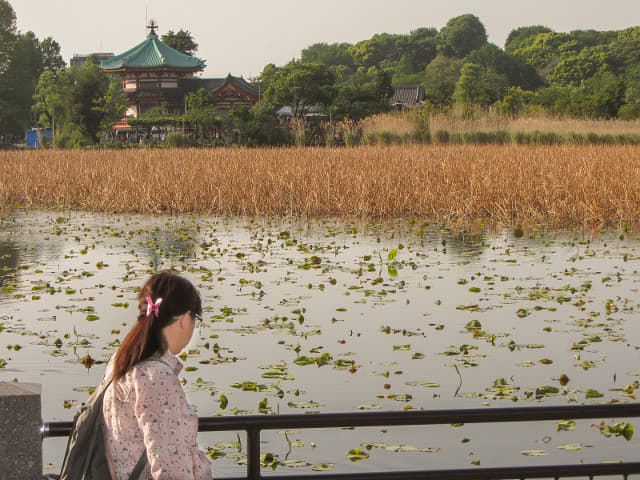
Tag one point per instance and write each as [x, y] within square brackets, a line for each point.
[137, 470]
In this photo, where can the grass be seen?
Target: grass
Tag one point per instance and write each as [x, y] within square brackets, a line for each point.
[560, 185]
[530, 124]
[486, 127]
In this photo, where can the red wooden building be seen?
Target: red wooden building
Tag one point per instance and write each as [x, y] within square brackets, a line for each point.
[154, 75]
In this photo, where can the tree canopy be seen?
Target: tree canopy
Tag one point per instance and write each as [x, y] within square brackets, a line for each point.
[586, 73]
[462, 35]
[181, 41]
[300, 85]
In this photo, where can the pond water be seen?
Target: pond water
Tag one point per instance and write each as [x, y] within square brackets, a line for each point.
[328, 315]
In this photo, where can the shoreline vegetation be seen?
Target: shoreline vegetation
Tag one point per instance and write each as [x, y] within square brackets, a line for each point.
[453, 126]
[484, 127]
[563, 186]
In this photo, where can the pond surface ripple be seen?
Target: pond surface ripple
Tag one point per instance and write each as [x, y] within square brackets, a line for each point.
[327, 315]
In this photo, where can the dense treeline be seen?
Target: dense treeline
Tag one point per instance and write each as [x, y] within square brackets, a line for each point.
[23, 58]
[583, 74]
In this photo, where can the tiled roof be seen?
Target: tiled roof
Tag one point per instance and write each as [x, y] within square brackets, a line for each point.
[153, 53]
[212, 85]
[407, 95]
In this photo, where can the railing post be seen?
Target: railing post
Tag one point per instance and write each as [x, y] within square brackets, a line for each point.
[253, 453]
[20, 422]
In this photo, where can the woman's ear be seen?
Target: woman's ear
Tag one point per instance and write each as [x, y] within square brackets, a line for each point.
[185, 319]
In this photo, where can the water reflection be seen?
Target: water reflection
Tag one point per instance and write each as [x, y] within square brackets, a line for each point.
[9, 255]
[329, 315]
[465, 245]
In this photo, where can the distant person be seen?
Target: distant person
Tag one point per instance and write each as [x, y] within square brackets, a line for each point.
[145, 408]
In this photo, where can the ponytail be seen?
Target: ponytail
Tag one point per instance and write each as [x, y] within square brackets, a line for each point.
[163, 298]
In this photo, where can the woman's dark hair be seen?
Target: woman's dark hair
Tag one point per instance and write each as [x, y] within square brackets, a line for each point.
[145, 338]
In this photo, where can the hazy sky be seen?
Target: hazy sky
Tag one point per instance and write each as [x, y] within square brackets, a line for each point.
[242, 36]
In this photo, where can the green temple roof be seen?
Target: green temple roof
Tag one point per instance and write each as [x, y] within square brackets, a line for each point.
[153, 53]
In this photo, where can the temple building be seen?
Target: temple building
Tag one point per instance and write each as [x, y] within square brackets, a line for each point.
[154, 75]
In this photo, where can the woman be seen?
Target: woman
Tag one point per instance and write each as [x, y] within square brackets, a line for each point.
[145, 408]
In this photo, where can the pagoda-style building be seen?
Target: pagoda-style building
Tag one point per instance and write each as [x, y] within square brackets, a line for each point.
[156, 75]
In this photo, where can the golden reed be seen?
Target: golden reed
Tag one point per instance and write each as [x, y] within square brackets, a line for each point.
[559, 186]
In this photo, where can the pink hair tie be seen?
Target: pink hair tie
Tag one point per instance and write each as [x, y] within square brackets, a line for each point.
[153, 307]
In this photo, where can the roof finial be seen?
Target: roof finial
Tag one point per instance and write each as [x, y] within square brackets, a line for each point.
[152, 28]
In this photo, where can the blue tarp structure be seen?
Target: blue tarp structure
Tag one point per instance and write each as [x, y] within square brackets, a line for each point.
[34, 135]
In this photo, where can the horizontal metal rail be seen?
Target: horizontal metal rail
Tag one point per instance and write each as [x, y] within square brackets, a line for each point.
[254, 424]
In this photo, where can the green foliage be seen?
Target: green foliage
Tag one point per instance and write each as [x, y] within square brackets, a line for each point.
[575, 68]
[177, 140]
[201, 112]
[301, 86]
[334, 54]
[520, 35]
[22, 60]
[462, 35]
[440, 77]
[18, 83]
[363, 95]
[515, 71]
[181, 41]
[583, 73]
[70, 136]
[84, 102]
[543, 51]
[478, 87]
[403, 57]
[7, 34]
[51, 57]
[256, 126]
[49, 98]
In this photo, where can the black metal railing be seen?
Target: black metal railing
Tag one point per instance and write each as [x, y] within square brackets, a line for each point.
[254, 424]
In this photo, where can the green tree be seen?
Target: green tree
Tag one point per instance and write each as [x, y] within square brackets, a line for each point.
[468, 90]
[593, 38]
[301, 86]
[49, 98]
[267, 76]
[181, 41]
[440, 79]
[405, 54]
[20, 82]
[84, 102]
[607, 92]
[379, 51]
[8, 34]
[515, 70]
[333, 54]
[514, 101]
[462, 35]
[420, 49]
[477, 86]
[201, 111]
[519, 36]
[112, 104]
[574, 68]
[363, 95]
[257, 126]
[544, 51]
[632, 86]
[51, 58]
[382, 86]
[8, 39]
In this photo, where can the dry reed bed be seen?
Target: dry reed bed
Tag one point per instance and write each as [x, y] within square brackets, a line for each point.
[482, 121]
[560, 186]
[559, 126]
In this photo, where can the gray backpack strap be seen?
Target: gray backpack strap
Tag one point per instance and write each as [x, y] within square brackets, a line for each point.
[137, 470]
